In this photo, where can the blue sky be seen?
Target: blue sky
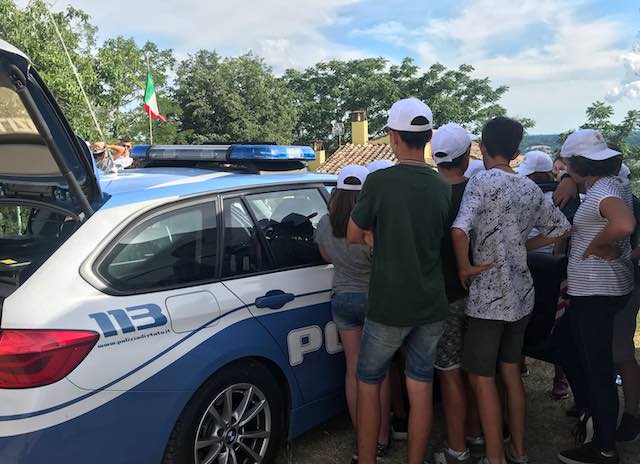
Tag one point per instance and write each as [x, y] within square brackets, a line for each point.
[557, 56]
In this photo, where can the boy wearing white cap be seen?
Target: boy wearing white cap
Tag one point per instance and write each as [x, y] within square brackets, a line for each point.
[406, 206]
[450, 148]
[497, 212]
[600, 275]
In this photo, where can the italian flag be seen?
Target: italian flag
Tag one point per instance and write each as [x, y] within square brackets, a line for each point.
[150, 102]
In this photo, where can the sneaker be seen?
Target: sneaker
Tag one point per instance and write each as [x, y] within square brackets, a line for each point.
[476, 446]
[629, 429]
[560, 389]
[399, 428]
[448, 456]
[586, 454]
[511, 457]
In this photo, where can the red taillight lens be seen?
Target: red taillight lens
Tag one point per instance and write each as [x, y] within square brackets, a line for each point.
[32, 358]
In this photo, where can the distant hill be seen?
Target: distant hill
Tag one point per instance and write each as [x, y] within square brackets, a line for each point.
[550, 140]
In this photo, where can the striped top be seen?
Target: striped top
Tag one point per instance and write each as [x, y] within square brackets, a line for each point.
[593, 275]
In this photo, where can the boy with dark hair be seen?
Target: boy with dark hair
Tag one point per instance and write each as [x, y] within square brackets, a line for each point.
[498, 210]
[451, 147]
[405, 207]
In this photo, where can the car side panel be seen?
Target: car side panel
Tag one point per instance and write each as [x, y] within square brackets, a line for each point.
[135, 426]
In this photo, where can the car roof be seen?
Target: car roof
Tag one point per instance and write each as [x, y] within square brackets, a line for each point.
[139, 185]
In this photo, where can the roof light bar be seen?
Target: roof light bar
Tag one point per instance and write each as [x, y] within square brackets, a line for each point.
[223, 153]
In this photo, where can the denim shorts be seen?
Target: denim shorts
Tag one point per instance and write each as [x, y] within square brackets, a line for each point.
[349, 310]
[380, 342]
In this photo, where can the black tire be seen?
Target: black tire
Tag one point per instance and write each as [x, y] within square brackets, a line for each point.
[181, 445]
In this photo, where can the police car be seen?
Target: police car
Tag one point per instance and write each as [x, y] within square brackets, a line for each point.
[175, 313]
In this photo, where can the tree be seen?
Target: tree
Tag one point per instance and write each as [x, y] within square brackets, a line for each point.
[31, 30]
[233, 99]
[328, 91]
[121, 69]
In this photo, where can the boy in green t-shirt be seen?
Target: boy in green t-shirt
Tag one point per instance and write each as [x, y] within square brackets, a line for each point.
[406, 207]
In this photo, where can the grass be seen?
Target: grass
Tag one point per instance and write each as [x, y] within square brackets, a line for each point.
[548, 429]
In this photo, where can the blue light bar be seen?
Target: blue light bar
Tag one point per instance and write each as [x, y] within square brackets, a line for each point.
[223, 153]
[271, 153]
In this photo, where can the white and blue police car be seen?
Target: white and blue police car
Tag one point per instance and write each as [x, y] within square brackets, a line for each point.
[173, 313]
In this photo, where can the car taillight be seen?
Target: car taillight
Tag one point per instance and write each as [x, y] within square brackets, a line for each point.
[32, 358]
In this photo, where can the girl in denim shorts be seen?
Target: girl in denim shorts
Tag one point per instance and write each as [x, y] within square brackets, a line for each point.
[352, 267]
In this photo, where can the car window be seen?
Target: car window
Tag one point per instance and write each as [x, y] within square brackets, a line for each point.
[288, 220]
[14, 220]
[171, 249]
[243, 252]
[14, 118]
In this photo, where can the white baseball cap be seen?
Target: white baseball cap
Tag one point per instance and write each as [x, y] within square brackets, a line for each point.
[376, 165]
[452, 141]
[403, 112]
[535, 161]
[352, 170]
[587, 143]
[475, 166]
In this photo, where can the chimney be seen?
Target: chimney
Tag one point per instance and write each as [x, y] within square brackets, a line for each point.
[318, 147]
[359, 127]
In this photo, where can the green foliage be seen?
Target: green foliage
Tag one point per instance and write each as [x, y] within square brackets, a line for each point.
[13, 220]
[233, 99]
[32, 31]
[328, 91]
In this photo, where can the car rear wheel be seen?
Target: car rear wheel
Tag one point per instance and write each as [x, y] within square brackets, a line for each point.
[235, 418]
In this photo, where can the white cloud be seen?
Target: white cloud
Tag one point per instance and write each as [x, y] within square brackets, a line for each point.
[630, 86]
[287, 33]
[560, 58]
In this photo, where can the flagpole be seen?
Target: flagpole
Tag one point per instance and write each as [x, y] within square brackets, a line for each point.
[149, 112]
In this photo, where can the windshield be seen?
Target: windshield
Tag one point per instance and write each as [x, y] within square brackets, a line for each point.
[14, 118]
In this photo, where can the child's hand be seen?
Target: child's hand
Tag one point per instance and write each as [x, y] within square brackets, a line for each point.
[607, 252]
[368, 238]
[566, 190]
[468, 274]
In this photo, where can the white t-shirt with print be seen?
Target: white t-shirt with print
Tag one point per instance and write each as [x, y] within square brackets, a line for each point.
[593, 275]
[498, 211]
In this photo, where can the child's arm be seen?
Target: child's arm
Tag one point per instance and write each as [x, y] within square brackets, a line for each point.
[620, 225]
[540, 241]
[566, 190]
[466, 271]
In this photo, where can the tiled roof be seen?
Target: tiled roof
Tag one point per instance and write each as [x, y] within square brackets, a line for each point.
[356, 154]
[364, 154]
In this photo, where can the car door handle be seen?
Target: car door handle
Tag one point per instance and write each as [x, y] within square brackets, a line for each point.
[274, 299]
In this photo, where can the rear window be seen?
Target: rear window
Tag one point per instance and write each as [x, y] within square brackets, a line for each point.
[14, 118]
[172, 249]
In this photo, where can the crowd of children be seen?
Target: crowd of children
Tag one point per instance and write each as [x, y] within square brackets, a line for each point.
[435, 265]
